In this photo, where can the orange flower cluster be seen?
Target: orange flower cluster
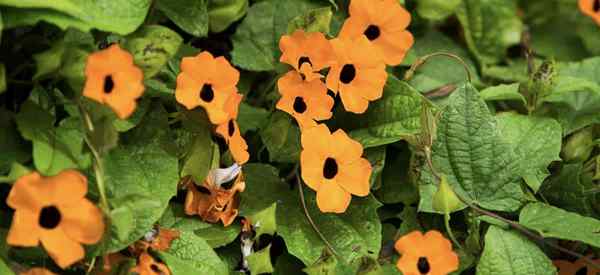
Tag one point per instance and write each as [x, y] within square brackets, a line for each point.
[54, 211]
[113, 79]
[576, 268]
[374, 35]
[211, 83]
[428, 253]
[590, 8]
[211, 201]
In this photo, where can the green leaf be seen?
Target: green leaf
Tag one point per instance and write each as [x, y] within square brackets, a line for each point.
[317, 20]
[436, 9]
[13, 147]
[490, 26]
[2, 74]
[567, 190]
[4, 269]
[251, 118]
[394, 117]
[282, 138]
[152, 46]
[503, 92]
[118, 16]
[201, 157]
[16, 171]
[222, 13]
[396, 184]
[264, 221]
[376, 156]
[553, 222]
[328, 265]
[439, 71]
[360, 225]
[190, 254]
[140, 169]
[190, 15]
[214, 234]
[256, 40]
[556, 38]
[535, 140]
[479, 164]
[260, 261]
[508, 253]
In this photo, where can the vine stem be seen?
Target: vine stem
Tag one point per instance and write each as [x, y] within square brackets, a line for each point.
[449, 230]
[422, 60]
[310, 220]
[512, 224]
[98, 167]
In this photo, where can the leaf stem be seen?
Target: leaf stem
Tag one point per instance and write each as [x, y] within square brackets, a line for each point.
[98, 168]
[513, 224]
[449, 230]
[423, 59]
[310, 220]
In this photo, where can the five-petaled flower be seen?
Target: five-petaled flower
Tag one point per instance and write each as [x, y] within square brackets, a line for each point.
[425, 254]
[358, 75]
[113, 79]
[384, 23]
[332, 166]
[54, 211]
[591, 8]
[305, 100]
[307, 53]
[208, 82]
[147, 265]
[230, 131]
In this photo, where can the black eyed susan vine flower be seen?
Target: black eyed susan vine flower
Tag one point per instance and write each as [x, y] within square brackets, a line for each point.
[147, 265]
[53, 211]
[384, 23]
[307, 53]
[590, 8]
[208, 82]
[113, 79]
[307, 101]
[333, 166]
[358, 74]
[425, 254]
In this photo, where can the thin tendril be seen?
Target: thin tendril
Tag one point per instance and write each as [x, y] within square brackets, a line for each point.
[310, 220]
[422, 60]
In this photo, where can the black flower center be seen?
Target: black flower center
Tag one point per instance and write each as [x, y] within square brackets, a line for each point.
[299, 105]
[330, 169]
[49, 217]
[230, 128]
[347, 74]
[582, 271]
[302, 60]
[109, 84]
[207, 93]
[372, 32]
[596, 6]
[155, 269]
[423, 265]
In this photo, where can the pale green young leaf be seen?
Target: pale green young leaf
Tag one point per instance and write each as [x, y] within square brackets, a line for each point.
[260, 261]
[190, 15]
[503, 92]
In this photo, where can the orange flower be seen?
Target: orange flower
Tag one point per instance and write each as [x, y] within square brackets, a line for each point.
[208, 82]
[384, 23]
[211, 201]
[332, 166]
[230, 131]
[55, 212]
[577, 267]
[429, 254]
[306, 101]
[359, 74]
[112, 78]
[310, 49]
[148, 266]
[38, 271]
[591, 8]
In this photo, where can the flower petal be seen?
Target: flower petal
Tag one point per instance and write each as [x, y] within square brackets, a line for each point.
[312, 169]
[27, 193]
[331, 198]
[24, 230]
[82, 221]
[63, 250]
[354, 177]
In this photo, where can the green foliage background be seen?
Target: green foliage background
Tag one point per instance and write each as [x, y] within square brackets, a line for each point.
[521, 139]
